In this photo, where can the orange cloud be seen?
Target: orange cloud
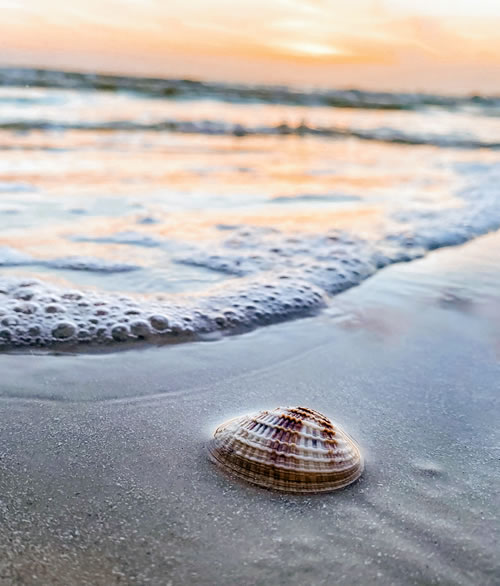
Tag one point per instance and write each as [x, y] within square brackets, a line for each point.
[325, 42]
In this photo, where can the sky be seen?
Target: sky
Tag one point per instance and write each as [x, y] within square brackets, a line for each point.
[428, 45]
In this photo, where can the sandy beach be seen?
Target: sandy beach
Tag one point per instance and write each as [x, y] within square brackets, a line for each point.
[104, 477]
[249, 293]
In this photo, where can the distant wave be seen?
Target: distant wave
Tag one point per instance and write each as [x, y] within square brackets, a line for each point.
[381, 134]
[187, 88]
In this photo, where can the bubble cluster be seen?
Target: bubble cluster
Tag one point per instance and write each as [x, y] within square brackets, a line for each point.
[57, 315]
[333, 262]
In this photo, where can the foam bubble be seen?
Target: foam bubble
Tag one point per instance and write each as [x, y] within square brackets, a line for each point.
[63, 330]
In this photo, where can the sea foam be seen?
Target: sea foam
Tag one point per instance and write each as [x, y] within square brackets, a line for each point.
[275, 276]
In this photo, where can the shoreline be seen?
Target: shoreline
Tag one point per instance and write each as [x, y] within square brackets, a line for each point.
[104, 477]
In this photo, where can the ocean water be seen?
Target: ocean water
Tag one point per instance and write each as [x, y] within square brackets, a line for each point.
[137, 210]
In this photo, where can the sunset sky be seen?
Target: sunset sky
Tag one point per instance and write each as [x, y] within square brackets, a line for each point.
[434, 45]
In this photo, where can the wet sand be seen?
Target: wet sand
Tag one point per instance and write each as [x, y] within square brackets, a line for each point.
[104, 477]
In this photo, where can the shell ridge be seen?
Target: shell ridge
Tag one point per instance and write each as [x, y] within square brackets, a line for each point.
[293, 449]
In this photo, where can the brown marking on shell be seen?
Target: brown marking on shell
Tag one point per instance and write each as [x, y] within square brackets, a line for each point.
[295, 450]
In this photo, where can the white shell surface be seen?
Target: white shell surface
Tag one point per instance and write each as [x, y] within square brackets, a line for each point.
[293, 449]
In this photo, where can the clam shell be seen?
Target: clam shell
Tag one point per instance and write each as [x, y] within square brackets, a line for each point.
[293, 449]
